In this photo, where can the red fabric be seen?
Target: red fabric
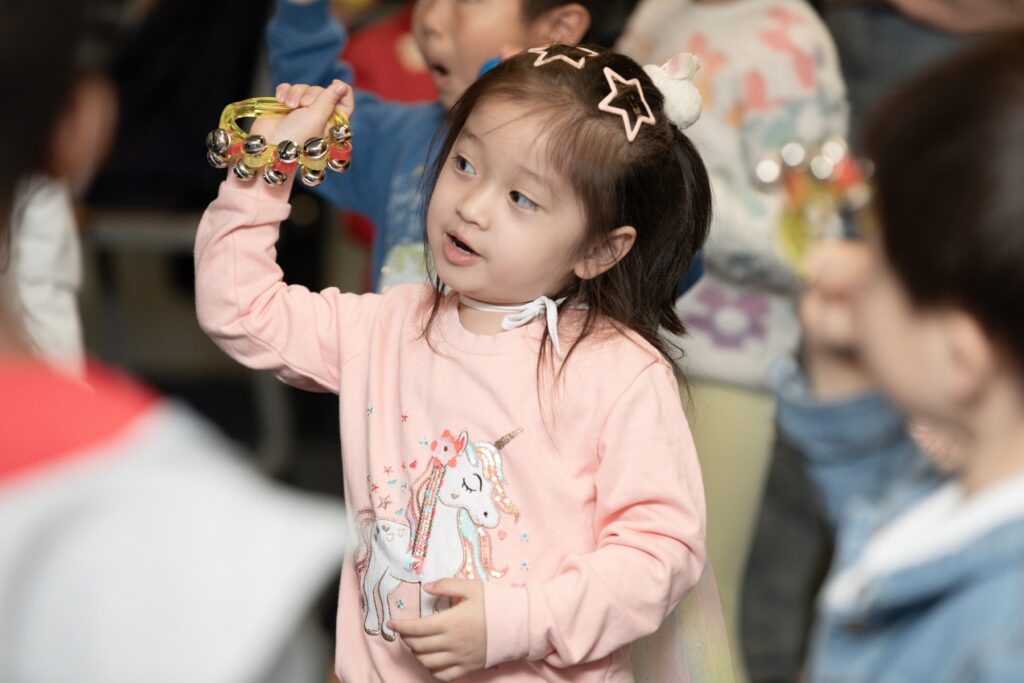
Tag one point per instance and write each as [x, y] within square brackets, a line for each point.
[386, 61]
[48, 417]
[379, 56]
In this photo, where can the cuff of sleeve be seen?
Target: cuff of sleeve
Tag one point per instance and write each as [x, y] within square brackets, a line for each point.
[507, 613]
[832, 429]
[258, 201]
[308, 17]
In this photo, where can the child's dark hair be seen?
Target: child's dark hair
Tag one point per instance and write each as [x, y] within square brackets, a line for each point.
[45, 45]
[657, 184]
[949, 155]
[607, 17]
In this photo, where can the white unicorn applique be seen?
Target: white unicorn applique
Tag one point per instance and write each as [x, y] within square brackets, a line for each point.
[460, 496]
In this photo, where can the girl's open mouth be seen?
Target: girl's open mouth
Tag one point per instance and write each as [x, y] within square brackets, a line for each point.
[462, 246]
[457, 252]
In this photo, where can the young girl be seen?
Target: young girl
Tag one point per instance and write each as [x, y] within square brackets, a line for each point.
[927, 581]
[513, 437]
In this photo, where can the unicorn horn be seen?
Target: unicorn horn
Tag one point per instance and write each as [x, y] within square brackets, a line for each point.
[505, 440]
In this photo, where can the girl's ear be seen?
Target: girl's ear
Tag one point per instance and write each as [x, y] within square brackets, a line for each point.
[606, 254]
[564, 24]
[83, 131]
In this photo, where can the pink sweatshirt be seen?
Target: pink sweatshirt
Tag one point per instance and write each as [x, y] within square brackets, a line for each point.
[584, 516]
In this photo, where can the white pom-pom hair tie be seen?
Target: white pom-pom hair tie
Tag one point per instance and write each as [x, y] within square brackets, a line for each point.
[674, 79]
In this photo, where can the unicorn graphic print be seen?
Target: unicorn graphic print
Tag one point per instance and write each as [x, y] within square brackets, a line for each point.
[460, 496]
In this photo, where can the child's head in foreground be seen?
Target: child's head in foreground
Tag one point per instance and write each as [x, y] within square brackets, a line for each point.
[538, 190]
[457, 37]
[943, 314]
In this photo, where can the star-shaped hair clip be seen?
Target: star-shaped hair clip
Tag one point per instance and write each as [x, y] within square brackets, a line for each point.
[544, 55]
[632, 114]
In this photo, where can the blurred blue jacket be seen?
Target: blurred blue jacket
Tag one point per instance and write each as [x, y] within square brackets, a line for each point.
[945, 606]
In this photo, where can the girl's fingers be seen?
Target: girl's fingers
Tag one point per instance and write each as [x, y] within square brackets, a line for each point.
[330, 99]
[438, 660]
[453, 588]
[424, 645]
[295, 95]
[310, 96]
[450, 674]
[281, 92]
[424, 626]
[347, 103]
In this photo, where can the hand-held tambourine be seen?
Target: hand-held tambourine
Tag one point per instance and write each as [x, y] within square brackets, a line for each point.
[250, 155]
[819, 184]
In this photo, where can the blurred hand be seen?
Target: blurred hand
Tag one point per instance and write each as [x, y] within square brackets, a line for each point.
[837, 271]
[313, 109]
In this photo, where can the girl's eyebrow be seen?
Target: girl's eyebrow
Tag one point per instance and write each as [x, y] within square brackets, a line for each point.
[470, 136]
[535, 176]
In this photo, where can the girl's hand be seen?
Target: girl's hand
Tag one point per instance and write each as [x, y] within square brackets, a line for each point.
[314, 107]
[452, 643]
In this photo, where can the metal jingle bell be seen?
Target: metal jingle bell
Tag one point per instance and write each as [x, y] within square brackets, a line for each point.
[243, 171]
[255, 144]
[287, 151]
[768, 172]
[218, 141]
[339, 165]
[315, 148]
[273, 177]
[795, 155]
[311, 177]
[341, 133]
[216, 160]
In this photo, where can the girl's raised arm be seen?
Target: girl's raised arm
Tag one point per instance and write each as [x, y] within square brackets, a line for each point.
[241, 300]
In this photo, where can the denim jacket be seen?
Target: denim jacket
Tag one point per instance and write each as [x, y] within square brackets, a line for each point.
[925, 586]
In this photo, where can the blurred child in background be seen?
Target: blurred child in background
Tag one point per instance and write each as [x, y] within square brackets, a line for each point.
[927, 580]
[456, 40]
[769, 76]
[134, 544]
[45, 271]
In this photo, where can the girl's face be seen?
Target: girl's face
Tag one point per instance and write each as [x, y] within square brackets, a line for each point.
[503, 226]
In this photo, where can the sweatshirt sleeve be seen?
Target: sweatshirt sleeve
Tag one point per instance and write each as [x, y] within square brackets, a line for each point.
[304, 44]
[649, 531]
[249, 312]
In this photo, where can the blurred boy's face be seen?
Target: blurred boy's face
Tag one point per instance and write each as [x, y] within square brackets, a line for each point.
[905, 348]
[458, 36]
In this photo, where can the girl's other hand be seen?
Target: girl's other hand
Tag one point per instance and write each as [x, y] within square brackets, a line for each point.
[313, 109]
[451, 643]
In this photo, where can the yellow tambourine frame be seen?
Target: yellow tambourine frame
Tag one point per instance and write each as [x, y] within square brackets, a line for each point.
[262, 107]
[251, 155]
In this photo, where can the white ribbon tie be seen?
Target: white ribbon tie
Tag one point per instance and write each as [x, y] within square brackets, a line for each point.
[521, 314]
